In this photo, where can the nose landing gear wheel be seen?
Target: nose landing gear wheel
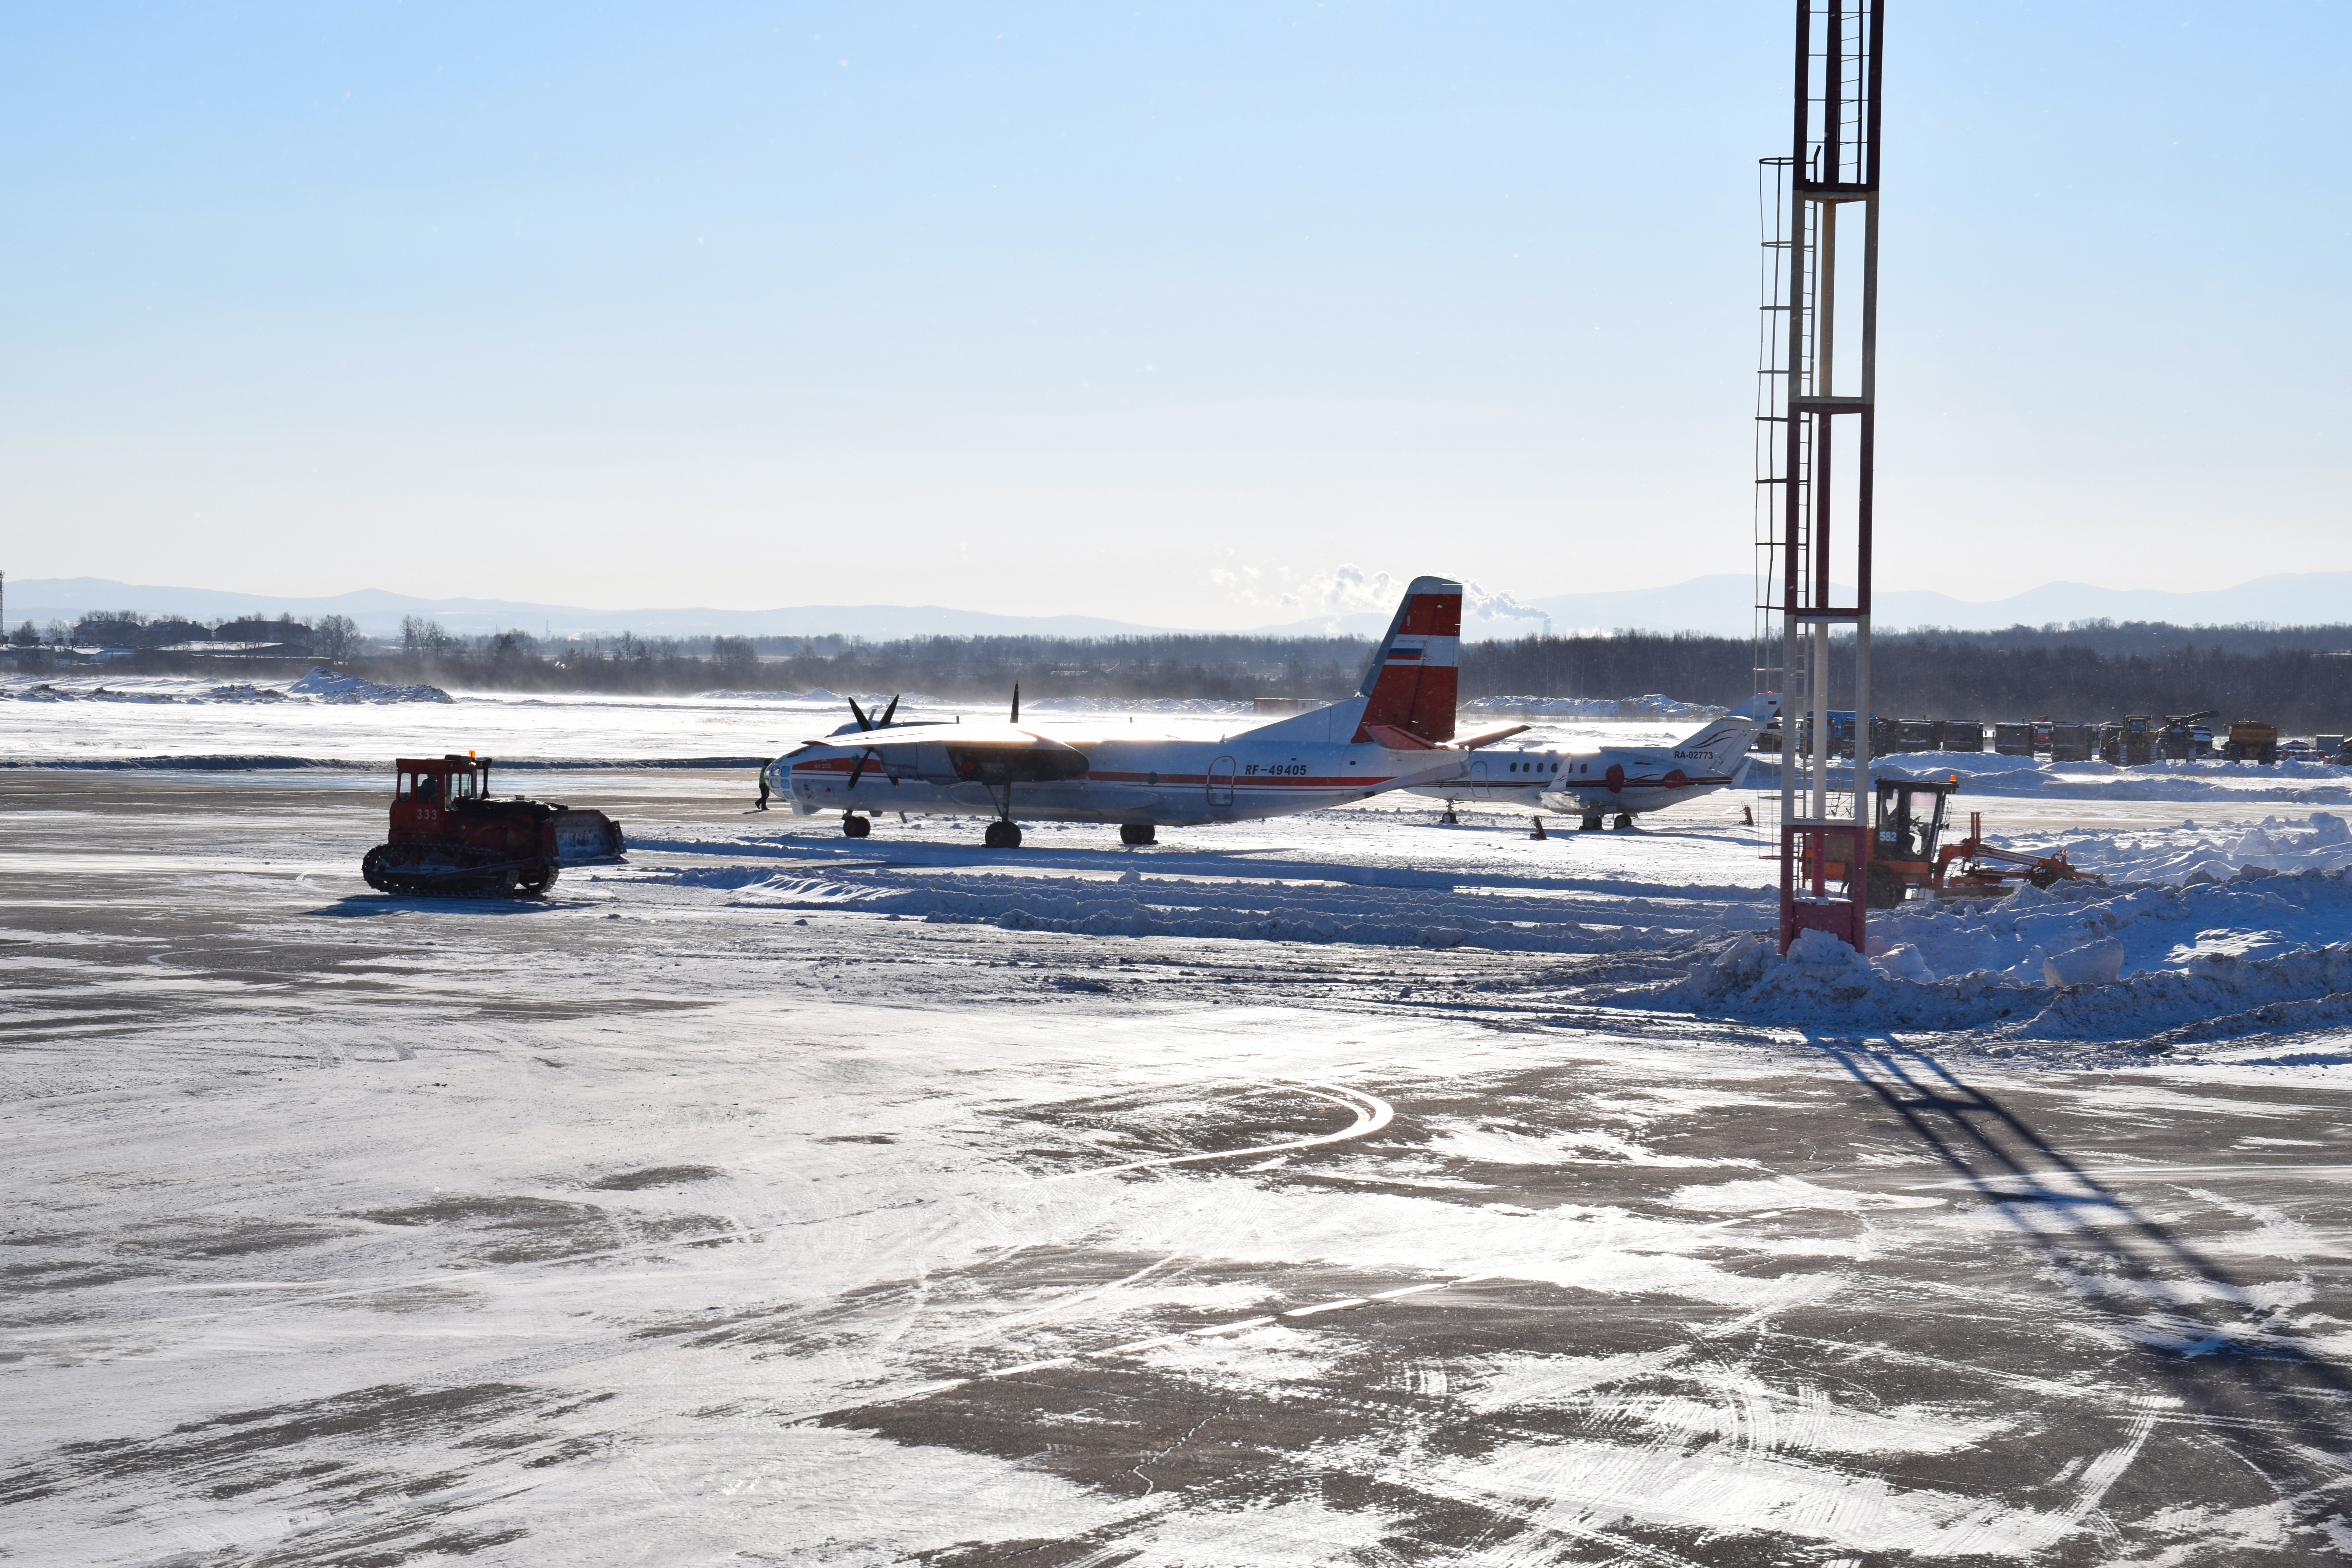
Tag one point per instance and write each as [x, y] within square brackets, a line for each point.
[1137, 832]
[857, 827]
[1002, 836]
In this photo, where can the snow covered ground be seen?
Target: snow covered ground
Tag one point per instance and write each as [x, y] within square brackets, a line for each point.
[1342, 1189]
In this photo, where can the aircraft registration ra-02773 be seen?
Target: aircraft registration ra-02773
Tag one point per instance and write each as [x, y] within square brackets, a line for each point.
[1613, 780]
[1395, 732]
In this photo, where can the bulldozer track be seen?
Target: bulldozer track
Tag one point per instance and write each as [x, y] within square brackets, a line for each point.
[489, 879]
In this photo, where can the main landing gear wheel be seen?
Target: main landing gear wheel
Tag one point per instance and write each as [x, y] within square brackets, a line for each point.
[1625, 820]
[1137, 832]
[1588, 825]
[857, 827]
[1002, 836]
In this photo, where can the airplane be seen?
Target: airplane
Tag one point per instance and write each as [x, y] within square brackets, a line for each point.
[1396, 732]
[1613, 780]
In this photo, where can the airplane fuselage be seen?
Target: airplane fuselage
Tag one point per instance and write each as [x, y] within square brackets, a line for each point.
[1608, 781]
[1131, 773]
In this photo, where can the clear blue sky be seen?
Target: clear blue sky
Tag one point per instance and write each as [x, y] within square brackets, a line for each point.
[1155, 311]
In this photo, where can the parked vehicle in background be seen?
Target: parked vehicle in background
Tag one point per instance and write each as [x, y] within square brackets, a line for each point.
[2130, 742]
[1960, 735]
[2251, 740]
[2013, 739]
[1841, 732]
[2331, 747]
[2042, 728]
[2185, 738]
[2298, 750]
[2071, 742]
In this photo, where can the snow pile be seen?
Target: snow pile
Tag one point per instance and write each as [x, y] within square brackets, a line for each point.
[246, 692]
[324, 685]
[2187, 854]
[1990, 773]
[45, 692]
[1654, 706]
[2078, 962]
[820, 697]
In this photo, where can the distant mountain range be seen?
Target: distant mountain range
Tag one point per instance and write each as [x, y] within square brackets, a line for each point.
[1716, 604]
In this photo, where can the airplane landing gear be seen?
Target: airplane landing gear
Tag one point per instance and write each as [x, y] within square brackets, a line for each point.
[855, 826]
[1590, 823]
[1138, 833]
[1449, 818]
[1625, 820]
[1001, 834]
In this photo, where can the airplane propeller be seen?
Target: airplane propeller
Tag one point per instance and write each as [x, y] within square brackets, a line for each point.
[1016, 702]
[865, 723]
[857, 769]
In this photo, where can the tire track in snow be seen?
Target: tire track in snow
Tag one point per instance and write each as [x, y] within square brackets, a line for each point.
[1372, 1113]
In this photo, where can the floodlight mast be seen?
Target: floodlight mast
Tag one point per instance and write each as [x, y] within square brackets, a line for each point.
[1809, 389]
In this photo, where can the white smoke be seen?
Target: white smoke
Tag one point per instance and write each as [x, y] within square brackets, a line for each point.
[1329, 593]
[1345, 590]
[1490, 604]
[1333, 592]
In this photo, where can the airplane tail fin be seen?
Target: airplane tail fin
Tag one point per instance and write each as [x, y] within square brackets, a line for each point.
[1726, 739]
[1411, 687]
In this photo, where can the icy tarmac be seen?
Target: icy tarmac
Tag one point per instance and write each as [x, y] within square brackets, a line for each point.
[1346, 1189]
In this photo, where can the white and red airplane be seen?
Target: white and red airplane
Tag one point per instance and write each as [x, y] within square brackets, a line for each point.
[1396, 732]
[1613, 780]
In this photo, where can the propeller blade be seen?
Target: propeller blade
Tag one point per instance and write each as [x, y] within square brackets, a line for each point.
[1016, 702]
[863, 722]
[885, 722]
[858, 771]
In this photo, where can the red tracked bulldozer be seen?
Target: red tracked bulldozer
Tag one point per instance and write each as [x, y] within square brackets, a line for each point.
[449, 836]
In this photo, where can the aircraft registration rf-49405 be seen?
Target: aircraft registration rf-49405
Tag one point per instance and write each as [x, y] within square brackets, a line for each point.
[1396, 732]
[1613, 780]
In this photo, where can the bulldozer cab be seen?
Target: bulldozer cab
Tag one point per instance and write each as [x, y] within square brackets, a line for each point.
[424, 788]
[1909, 823]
